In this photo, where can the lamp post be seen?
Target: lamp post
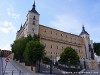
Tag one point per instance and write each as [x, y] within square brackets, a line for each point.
[51, 65]
[69, 66]
[77, 67]
[84, 64]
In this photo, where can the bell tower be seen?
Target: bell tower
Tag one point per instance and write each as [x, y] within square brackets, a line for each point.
[32, 21]
[86, 40]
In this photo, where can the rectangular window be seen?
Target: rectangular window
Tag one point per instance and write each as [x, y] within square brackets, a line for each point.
[51, 32]
[79, 51]
[56, 33]
[62, 47]
[56, 54]
[61, 34]
[34, 18]
[45, 30]
[33, 22]
[57, 47]
[51, 46]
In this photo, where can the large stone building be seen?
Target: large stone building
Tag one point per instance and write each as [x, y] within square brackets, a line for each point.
[55, 40]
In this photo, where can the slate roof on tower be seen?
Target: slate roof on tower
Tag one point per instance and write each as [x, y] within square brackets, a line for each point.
[33, 9]
[83, 31]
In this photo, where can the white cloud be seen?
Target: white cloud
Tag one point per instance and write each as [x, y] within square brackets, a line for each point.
[7, 27]
[11, 12]
[67, 23]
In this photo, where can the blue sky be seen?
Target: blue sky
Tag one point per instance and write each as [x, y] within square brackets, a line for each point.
[65, 15]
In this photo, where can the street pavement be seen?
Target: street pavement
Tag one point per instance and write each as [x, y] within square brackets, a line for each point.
[14, 68]
[59, 72]
[46, 69]
[91, 72]
[1, 66]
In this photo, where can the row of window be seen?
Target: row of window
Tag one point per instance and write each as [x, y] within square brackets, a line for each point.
[52, 33]
[53, 53]
[65, 40]
[72, 37]
[34, 18]
[51, 46]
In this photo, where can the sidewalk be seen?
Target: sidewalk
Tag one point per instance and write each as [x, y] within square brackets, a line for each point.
[17, 69]
[1, 66]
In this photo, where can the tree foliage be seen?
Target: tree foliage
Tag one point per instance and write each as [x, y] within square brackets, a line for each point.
[18, 47]
[69, 56]
[46, 60]
[34, 51]
[97, 48]
[28, 49]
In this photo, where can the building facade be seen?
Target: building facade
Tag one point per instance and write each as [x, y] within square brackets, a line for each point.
[55, 40]
[0, 52]
[5, 53]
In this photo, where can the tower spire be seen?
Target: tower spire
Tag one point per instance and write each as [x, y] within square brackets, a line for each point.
[83, 28]
[83, 31]
[34, 9]
[34, 5]
[21, 27]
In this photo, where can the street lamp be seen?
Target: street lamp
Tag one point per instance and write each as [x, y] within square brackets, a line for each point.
[84, 64]
[77, 66]
[51, 65]
[69, 66]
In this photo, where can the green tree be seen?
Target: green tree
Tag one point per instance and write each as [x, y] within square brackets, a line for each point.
[18, 48]
[97, 48]
[36, 37]
[34, 51]
[29, 38]
[46, 60]
[28, 49]
[69, 56]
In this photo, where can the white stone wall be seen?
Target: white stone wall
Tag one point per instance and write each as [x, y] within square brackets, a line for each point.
[86, 42]
[31, 29]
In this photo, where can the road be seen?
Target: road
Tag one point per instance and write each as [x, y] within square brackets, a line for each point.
[1, 66]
